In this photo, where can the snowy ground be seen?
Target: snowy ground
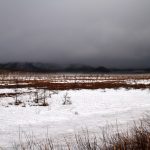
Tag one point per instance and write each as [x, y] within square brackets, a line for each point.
[89, 109]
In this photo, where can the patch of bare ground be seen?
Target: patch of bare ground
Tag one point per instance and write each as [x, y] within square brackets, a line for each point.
[8, 94]
[67, 86]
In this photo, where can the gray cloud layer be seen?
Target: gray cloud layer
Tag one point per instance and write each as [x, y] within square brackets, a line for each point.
[113, 33]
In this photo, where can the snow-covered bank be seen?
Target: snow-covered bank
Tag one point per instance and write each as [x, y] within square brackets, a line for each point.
[89, 109]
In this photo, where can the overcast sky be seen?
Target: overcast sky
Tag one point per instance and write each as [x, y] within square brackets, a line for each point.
[111, 33]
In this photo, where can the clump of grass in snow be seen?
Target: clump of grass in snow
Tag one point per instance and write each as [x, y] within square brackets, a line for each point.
[136, 138]
[66, 99]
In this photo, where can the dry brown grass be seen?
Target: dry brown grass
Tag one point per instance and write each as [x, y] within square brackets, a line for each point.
[72, 81]
[136, 138]
[68, 86]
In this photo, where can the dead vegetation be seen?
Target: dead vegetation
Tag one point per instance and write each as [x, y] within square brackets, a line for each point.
[136, 138]
[73, 81]
[66, 99]
[68, 86]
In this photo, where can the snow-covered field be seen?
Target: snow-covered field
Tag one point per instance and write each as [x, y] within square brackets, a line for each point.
[87, 109]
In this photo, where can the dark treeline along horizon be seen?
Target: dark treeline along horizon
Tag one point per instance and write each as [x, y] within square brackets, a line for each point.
[74, 68]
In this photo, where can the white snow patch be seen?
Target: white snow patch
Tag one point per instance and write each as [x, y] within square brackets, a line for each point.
[144, 81]
[89, 109]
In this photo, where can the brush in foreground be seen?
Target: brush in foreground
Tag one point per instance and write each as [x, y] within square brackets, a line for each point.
[136, 138]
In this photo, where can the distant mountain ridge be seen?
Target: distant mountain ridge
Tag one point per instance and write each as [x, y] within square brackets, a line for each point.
[73, 68]
[46, 67]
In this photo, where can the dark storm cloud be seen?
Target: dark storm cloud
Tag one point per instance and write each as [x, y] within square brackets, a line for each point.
[113, 33]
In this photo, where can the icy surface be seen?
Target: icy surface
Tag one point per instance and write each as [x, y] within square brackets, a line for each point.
[89, 109]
